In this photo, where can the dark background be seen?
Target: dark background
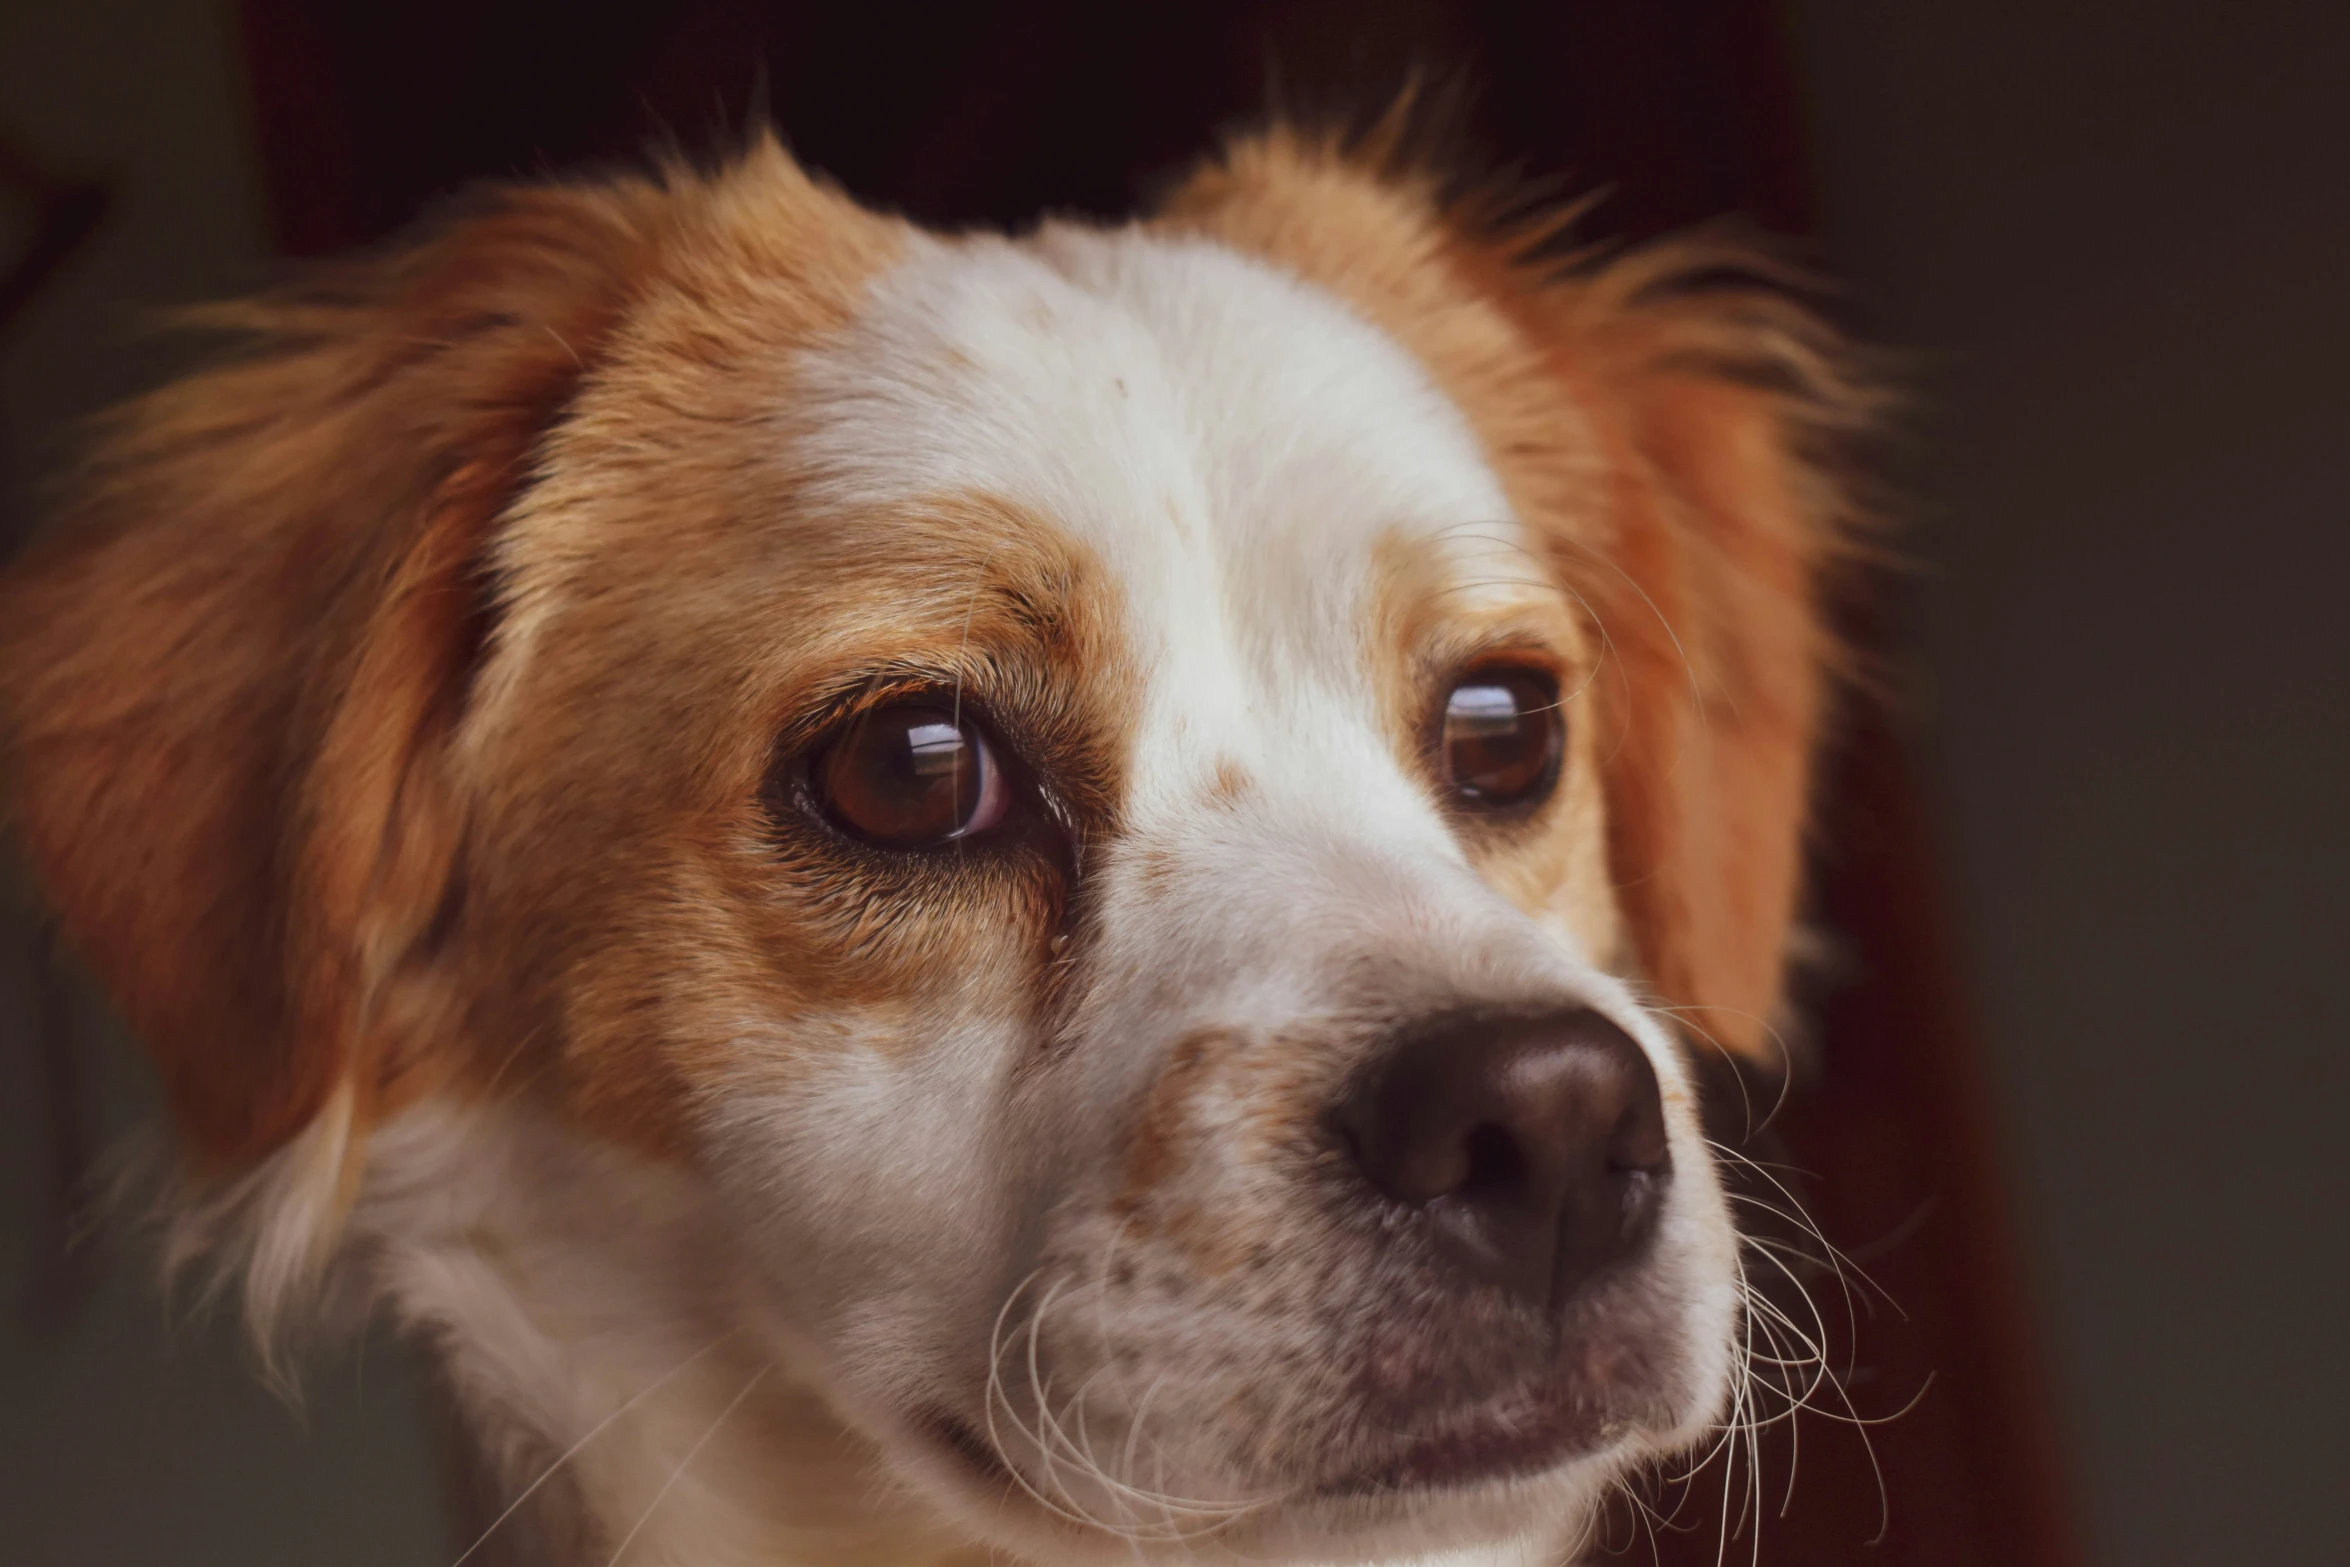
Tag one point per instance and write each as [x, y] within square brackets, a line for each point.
[2078, 1056]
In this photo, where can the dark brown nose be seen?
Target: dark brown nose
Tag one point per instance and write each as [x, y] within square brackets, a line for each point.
[1534, 1144]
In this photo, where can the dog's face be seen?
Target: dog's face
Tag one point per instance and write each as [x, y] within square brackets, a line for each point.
[1109, 797]
[1161, 868]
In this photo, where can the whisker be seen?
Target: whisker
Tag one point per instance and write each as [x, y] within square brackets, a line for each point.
[1051, 1435]
[691, 1454]
[1779, 1044]
[594, 1431]
[1696, 692]
[1804, 1398]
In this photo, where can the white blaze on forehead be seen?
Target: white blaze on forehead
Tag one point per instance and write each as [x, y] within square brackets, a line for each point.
[1231, 442]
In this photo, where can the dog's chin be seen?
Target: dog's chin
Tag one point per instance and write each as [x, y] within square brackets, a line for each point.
[1530, 1465]
[1521, 1434]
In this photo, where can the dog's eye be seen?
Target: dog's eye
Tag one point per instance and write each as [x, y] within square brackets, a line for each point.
[909, 775]
[1503, 737]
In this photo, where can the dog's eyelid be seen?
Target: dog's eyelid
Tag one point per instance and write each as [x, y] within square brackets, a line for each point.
[1446, 660]
[844, 700]
[1000, 695]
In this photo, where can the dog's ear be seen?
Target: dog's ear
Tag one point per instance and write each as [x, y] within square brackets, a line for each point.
[228, 671]
[1727, 415]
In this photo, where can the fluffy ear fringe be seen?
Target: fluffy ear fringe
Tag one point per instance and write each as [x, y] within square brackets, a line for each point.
[226, 672]
[228, 669]
[1749, 425]
[269, 1234]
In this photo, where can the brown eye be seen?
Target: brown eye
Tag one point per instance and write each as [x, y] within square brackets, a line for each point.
[1503, 737]
[910, 775]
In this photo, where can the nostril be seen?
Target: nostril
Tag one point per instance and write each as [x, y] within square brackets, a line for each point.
[1640, 1144]
[1495, 1166]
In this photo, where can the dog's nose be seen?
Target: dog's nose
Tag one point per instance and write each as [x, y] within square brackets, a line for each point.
[1534, 1144]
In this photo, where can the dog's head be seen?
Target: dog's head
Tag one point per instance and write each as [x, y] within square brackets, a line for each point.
[1137, 806]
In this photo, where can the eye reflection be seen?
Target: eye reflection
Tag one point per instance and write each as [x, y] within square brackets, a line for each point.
[940, 749]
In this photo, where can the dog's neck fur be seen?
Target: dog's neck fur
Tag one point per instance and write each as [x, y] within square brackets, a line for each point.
[613, 1357]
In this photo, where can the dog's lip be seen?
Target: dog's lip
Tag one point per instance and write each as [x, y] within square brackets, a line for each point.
[1510, 1436]
[962, 1441]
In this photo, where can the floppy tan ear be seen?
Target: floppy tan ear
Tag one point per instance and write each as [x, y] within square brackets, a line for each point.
[226, 673]
[1725, 413]
[1666, 423]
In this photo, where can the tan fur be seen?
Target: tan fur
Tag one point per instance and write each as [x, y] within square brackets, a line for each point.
[690, 914]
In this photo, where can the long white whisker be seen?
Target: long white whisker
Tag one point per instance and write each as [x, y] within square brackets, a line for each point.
[691, 1454]
[1050, 1434]
[594, 1431]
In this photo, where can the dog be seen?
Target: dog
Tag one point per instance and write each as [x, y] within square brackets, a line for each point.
[932, 898]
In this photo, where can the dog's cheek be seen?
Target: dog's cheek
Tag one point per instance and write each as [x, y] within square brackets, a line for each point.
[872, 1189]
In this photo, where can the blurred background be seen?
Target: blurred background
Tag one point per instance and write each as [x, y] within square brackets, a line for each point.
[2076, 1094]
